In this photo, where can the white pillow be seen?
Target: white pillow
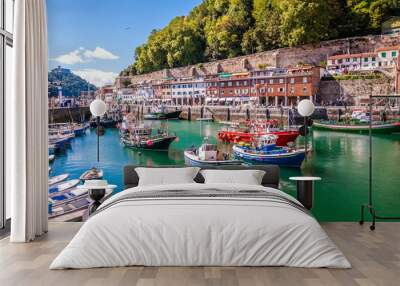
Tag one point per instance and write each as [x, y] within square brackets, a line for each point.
[166, 176]
[247, 177]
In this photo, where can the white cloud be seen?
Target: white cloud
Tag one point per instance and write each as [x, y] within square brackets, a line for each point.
[96, 77]
[100, 53]
[71, 58]
[83, 55]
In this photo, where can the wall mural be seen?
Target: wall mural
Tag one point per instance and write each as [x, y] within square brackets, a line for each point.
[245, 110]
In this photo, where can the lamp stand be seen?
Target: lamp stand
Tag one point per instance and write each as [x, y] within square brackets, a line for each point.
[98, 138]
[370, 207]
[305, 137]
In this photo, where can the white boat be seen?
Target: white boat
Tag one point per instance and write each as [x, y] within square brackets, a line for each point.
[92, 174]
[207, 155]
[57, 179]
[51, 157]
[64, 186]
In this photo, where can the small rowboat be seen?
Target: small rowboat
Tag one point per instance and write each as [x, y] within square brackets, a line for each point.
[207, 155]
[377, 127]
[266, 152]
[64, 186]
[92, 174]
[57, 179]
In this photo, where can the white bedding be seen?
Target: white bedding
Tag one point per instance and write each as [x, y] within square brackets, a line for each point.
[200, 231]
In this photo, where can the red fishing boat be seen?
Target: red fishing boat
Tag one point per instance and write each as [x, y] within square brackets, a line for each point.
[255, 129]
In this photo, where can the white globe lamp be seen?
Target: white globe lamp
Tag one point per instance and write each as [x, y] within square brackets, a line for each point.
[306, 107]
[98, 108]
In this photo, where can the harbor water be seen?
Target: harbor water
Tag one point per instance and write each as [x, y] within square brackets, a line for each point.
[340, 159]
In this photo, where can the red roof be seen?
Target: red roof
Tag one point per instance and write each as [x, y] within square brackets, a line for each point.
[346, 56]
[392, 48]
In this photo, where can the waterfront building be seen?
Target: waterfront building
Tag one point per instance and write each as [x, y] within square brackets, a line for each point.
[277, 87]
[125, 95]
[340, 64]
[142, 92]
[384, 57]
[188, 91]
[388, 55]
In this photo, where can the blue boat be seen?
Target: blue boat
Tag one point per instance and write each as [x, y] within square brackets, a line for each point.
[264, 151]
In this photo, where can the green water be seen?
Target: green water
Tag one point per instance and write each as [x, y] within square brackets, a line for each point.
[340, 159]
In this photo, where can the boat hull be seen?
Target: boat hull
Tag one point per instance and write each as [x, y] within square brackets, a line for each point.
[193, 160]
[284, 137]
[291, 159]
[163, 116]
[361, 129]
[157, 144]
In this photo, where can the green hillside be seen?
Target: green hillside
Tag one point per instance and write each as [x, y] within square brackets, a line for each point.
[219, 29]
[72, 85]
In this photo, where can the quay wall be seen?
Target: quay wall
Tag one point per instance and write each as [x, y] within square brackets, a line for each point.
[314, 54]
[60, 115]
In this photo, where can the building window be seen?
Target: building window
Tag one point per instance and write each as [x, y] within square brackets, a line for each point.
[305, 80]
[365, 60]
[292, 80]
[373, 59]
[222, 84]
[271, 81]
[262, 81]
[383, 55]
[245, 83]
[394, 54]
[281, 80]
[229, 83]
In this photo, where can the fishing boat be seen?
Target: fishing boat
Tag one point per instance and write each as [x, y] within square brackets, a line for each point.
[159, 142]
[80, 128]
[51, 157]
[63, 186]
[208, 155]
[162, 114]
[92, 174]
[264, 150]
[357, 127]
[57, 179]
[59, 138]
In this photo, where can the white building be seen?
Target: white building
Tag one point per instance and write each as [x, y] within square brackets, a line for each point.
[126, 95]
[388, 55]
[186, 90]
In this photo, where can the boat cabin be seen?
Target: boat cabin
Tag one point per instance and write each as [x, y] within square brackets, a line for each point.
[208, 152]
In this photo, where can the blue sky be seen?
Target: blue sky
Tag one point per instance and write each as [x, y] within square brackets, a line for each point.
[97, 38]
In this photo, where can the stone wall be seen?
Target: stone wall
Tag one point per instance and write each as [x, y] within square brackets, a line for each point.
[307, 54]
[355, 91]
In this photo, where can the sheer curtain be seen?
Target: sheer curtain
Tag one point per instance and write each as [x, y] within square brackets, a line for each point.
[26, 119]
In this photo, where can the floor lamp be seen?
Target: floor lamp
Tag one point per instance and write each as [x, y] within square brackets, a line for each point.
[370, 205]
[305, 108]
[98, 108]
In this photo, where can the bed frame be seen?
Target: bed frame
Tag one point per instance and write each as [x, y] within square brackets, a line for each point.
[270, 179]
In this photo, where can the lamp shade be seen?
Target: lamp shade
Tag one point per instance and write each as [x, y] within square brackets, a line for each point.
[98, 107]
[306, 107]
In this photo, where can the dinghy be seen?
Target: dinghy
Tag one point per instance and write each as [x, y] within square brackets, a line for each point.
[64, 186]
[58, 179]
[92, 174]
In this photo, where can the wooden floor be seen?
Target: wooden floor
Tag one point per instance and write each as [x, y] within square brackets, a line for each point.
[375, 257]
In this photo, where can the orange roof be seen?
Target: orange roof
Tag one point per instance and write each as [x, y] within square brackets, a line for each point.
[346, 56]
[392, 48]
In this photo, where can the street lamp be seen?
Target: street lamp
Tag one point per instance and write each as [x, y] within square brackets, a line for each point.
[305, 108]
[98, 108]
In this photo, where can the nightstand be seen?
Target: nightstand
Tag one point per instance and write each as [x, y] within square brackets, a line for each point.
[305, 190]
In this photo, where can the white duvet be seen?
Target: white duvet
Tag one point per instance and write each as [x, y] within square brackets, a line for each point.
[202, 232]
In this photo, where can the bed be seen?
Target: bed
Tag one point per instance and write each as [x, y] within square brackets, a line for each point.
[198, 224]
